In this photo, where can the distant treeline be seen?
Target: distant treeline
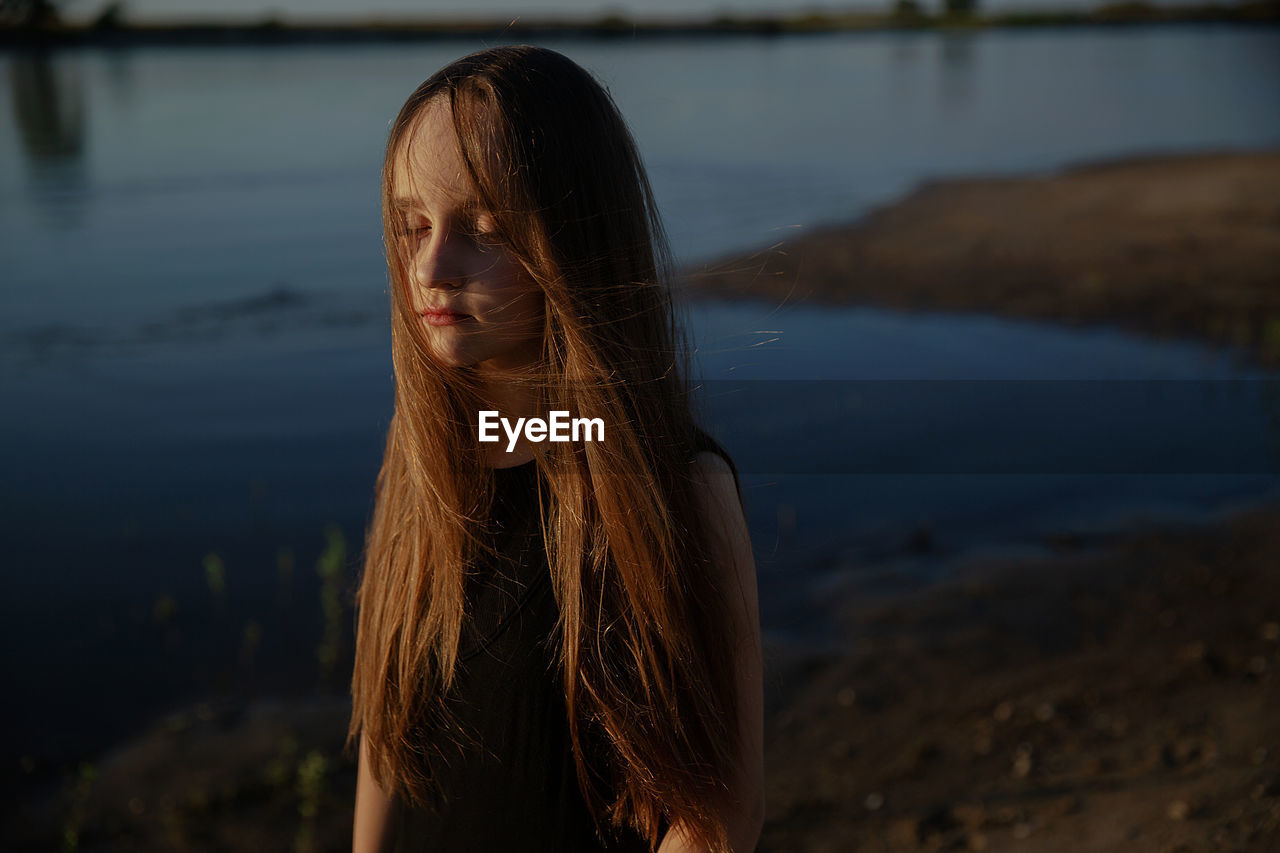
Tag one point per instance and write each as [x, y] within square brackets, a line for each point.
[36, 22]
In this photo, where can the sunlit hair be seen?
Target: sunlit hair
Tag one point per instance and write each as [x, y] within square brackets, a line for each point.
[644, 632]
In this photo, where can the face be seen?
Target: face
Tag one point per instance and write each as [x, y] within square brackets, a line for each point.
[477, 305]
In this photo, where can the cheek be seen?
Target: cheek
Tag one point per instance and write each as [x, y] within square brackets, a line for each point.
[524, 296]
[532, 303]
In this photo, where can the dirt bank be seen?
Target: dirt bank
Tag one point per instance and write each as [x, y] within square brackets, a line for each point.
[1124, 698]
[1185, 246]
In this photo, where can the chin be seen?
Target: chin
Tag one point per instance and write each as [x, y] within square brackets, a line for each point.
[453, 363]
[448, 359]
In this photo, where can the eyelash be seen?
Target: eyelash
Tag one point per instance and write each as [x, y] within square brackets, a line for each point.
[480, 236]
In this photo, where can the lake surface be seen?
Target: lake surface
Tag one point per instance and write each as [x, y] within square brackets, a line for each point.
[194, 354]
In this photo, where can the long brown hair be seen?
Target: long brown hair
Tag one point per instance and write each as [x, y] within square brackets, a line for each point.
[644, 637]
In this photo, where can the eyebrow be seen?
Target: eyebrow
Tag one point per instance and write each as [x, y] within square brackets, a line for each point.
[404, 203]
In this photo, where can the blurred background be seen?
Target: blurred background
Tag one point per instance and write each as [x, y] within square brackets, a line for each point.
[1040, 373]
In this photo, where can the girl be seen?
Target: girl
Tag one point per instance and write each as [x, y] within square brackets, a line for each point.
[557, 642]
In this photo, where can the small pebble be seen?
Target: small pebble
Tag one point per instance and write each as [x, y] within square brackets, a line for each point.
[1045, 712]
[1193, 652]
[1022, 762]
[970, 815]
[846, 697]
[977, 841]
[1271, 631]
[1270, 789]
[873, 801]
[1178, 810]
[1022, 830]
[1003, 712]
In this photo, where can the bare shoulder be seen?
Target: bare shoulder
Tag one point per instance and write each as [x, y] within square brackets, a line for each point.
[721, 504]
[732, 559]
[713, 474]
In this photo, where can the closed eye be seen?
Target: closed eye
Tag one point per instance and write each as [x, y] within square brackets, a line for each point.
[415, 229]
[481, 229]
[486, 239]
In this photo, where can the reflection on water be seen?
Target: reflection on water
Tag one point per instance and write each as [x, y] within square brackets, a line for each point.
[49, 107]
[49, 112]
[119, 74]
[956, 50]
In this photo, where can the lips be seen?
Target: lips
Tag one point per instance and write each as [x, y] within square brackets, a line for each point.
[442, 316]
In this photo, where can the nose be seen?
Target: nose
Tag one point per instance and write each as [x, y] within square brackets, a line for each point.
[438, 263]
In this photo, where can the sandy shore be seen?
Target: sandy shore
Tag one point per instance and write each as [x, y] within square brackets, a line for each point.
[1183, 246]
[1124, 697]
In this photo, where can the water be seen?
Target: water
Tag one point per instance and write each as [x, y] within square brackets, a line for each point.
[194, 353]
[590, 10]
[878, 444]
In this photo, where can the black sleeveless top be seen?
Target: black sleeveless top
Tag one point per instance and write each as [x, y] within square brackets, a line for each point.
[508, 778]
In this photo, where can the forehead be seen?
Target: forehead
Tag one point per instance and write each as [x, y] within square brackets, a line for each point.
[427, 169]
